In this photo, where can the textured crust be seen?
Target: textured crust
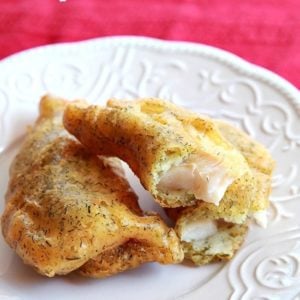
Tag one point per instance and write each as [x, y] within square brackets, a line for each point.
[257, 156]
[259, 159]
[124, 257]
[66, 206]
[151, 135]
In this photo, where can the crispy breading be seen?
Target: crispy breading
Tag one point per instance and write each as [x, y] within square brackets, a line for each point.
[257, 156]
[124, 257]
[152, 135]
[66, 207]
[259, 159]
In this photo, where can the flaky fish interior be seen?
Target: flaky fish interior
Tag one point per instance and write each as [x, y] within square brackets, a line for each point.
[206, 238]
[68, 209]
[179, 156]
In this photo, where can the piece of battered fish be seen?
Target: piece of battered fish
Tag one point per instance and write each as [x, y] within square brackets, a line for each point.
[179, 156]
[205, 236]
[68, 209]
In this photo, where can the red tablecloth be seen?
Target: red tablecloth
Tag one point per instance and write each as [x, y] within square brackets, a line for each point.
[265, 32]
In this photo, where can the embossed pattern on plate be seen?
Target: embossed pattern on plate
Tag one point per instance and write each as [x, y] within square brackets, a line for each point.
[201, 78]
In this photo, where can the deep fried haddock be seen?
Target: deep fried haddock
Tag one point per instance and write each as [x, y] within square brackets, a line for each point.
[219, 239]
[68, 209]
[179, 156]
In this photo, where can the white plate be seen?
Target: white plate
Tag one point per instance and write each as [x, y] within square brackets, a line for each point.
[203, 79]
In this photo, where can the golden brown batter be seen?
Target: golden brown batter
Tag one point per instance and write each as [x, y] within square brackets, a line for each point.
[67, 209]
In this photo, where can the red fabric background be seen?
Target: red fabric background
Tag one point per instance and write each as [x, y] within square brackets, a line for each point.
[265, 32]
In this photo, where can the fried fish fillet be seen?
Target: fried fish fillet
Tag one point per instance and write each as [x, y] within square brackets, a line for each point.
[68, 209]
[205, 236]
[179, 156]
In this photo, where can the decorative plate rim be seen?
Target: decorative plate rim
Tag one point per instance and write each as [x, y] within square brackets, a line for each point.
[239, 64]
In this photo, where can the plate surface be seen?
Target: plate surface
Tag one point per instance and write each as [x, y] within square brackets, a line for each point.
[198, 77]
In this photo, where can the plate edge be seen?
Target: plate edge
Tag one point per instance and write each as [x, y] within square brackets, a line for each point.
[287, 89]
